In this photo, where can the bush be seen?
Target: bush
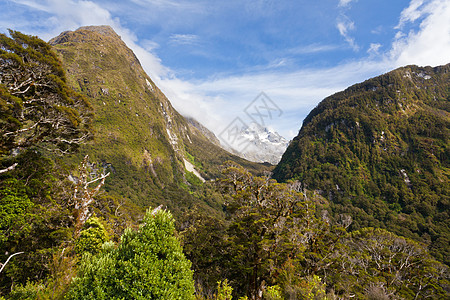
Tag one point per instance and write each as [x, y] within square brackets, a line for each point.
[147, 264]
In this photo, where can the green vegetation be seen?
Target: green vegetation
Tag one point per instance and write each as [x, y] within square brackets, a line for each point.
[92, 236]
[147, 264]
[38, 108]
[88, 234]
[379, 151]
[137, 133]
[278, 241]
[39, 114]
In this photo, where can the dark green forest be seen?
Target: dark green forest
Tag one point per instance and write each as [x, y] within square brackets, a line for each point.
[380, 151]
[92, 207]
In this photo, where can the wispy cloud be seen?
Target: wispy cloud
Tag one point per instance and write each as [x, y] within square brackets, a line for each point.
[411, 13]
[65, 15]
[168, 4]
[345, 25]
[62, 15]
[184, 39]
[218, 101]
[374, 49]
[344, 3]
[313, 48]
[149, 45]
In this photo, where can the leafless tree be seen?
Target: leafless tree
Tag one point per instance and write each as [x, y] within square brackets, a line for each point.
[84, 194]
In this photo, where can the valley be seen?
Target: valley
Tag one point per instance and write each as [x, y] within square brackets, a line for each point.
[119, 196]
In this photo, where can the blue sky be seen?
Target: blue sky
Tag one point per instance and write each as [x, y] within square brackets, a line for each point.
[212, 58]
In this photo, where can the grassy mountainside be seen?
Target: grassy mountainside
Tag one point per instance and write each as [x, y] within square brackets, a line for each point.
[380, 152]
[138, 134]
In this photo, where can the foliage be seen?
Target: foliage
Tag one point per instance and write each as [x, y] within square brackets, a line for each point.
[146, 163]
[224, 291]
[398, 265]
[91, 237]
[379, 151]
[269, 222]
[83, 195]
[277, 240]
[193, 179]
[147, 264]
[38, 107]
[273, 293]
[204, 244]
[15, 209]
[310, 258]
[30, 291]
[41, 227]
[311, 288]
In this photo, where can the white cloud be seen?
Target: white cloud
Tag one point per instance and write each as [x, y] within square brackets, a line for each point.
[313, 48]
[149, 45]
[344, 3]
[70, 15]
[430, 44]
[411, 13]
[167, 4]
[217, 101]
[344, 25]
[184, 39]
[66, 15]
[374, 49]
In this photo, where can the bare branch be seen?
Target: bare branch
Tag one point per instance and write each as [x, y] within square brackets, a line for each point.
[83, 195]
[9, 168]
[3, 265]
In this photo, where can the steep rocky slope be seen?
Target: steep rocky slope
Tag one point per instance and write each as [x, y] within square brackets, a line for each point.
[138, 134]
[380, 151]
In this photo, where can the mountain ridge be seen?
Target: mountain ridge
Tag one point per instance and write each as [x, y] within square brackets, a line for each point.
[380, 151]
[137, 131]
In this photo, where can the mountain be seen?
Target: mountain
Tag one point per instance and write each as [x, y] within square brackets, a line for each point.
[380, 152]
[203, 130]
[257, 143]
[153, 152]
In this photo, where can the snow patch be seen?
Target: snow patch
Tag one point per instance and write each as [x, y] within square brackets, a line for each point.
[257, 143]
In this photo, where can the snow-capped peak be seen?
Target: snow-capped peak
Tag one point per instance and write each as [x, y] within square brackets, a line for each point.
[260, 144]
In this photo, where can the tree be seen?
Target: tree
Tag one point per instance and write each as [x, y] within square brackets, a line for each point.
[83, 194]
[37, 108]
[377, 261]
[15, 206]
[270, 223]
[147, 264]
